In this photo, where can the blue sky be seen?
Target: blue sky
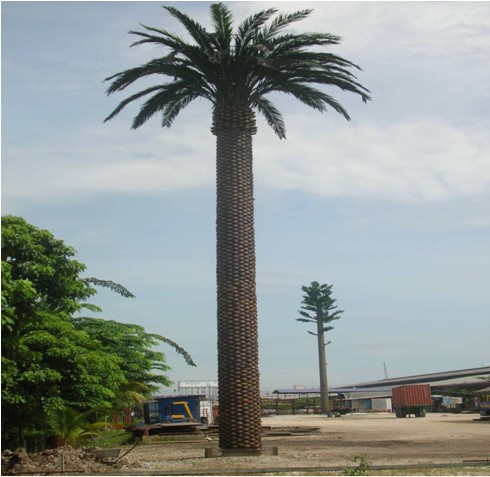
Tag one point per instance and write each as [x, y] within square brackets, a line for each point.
[391, 208]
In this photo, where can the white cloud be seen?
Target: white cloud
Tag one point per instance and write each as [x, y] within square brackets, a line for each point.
[112, 159]
[422, 155]
[413, 161]
[398, 28]
[417, 161]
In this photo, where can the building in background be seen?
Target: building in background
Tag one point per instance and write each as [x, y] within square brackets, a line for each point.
[450, 390]
[208, 388]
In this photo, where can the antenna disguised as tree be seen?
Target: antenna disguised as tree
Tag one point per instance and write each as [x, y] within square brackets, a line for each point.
[318, 307]
[236, 68]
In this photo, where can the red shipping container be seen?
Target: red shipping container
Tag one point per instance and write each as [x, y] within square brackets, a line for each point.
[411, 395]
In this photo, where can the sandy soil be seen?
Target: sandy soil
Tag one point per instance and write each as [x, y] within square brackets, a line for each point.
[437, 438]
[330, 443]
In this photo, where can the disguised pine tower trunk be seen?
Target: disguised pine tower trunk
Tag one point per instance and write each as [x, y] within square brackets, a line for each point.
[322, 363]
[238, 367]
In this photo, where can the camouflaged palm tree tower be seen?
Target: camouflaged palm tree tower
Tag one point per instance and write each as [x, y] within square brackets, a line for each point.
[238, 367]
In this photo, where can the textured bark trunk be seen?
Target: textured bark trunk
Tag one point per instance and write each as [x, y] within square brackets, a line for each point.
[322, 363]
[238, 370]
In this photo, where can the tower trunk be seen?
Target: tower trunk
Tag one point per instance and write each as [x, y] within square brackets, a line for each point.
[322, 363]
[238, 370]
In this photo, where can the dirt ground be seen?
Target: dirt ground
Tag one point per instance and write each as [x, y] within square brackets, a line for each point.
[435, 439]
[331, 443]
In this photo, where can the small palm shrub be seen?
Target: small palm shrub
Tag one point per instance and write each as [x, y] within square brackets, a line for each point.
[70, 425]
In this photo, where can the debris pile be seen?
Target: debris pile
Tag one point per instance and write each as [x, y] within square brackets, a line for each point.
[62, 459]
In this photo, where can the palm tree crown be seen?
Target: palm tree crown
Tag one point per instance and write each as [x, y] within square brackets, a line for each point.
[238, 68]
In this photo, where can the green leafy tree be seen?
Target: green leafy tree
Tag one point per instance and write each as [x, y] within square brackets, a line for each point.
[46, 363]
[52, 361]
[143, 367]
[318, 307]
[236, 69]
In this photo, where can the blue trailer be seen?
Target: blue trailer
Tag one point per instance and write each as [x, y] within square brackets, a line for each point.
[170, 415]
[173, 409]
[179, 409]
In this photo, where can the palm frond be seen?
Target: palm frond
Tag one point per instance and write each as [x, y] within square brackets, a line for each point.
[197, 54]
[170, 96]
[200, 56]
[294, 52]
[173, 108]
[154, 105]
[223, 25]
[197, 31]
[249, 27]
[303, 40]
[280, 22]
[345, 85]
[337, 77]
[272, 116]
[166, 38]
[125, 78]
[130, 99]
[306, 94]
